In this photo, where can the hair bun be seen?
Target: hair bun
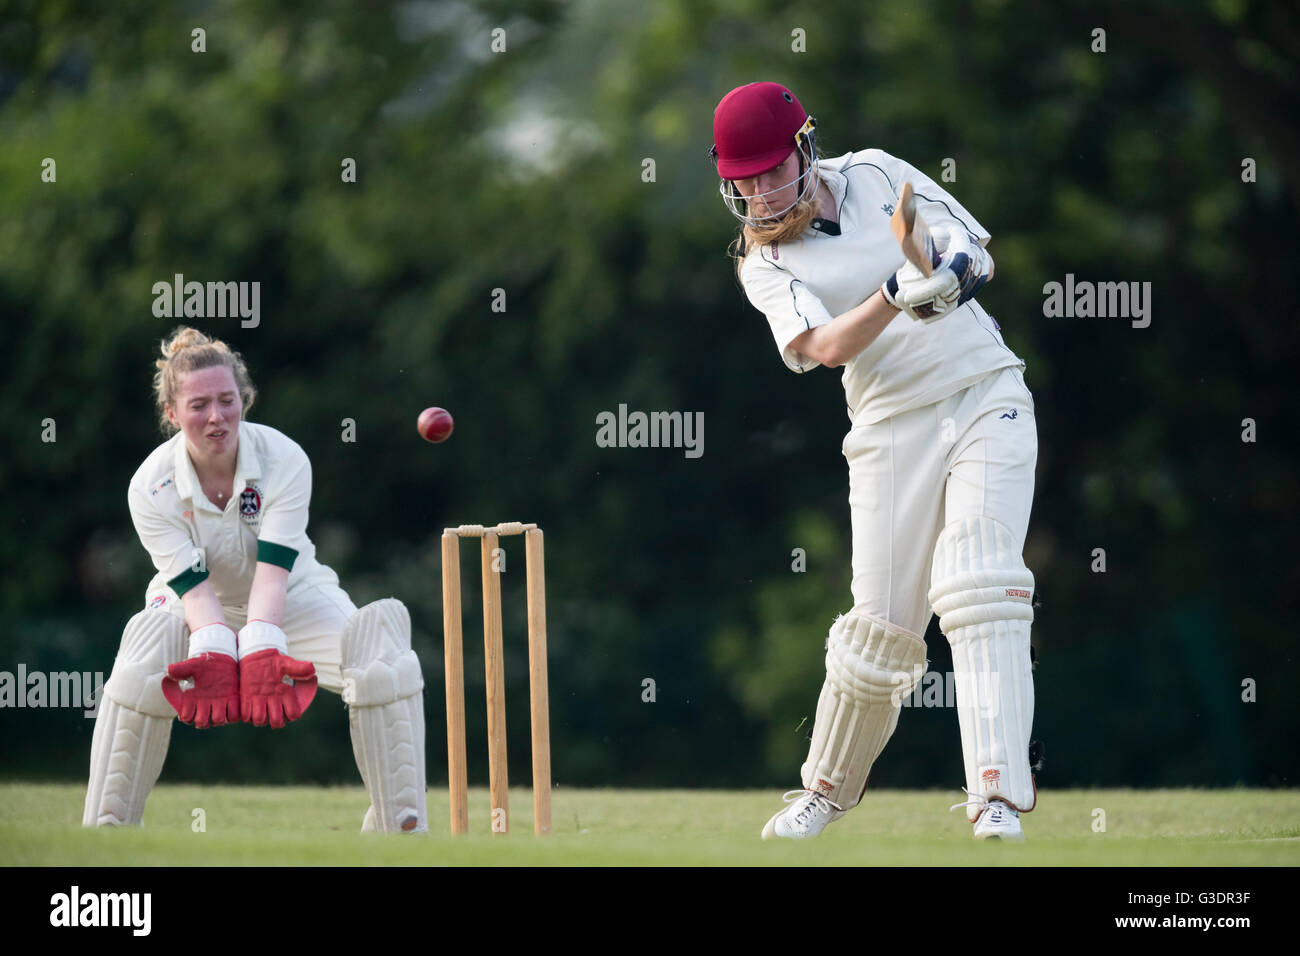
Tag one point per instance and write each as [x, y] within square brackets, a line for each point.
[183, 338]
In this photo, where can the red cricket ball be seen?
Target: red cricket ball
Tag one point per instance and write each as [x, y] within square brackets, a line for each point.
[435, 424]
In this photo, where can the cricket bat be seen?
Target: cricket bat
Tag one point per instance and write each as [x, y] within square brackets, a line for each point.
[912, 233]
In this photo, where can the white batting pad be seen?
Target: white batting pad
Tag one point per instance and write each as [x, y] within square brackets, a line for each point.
[133, 724]
[382, 687]
[871, 666]
[982, 592]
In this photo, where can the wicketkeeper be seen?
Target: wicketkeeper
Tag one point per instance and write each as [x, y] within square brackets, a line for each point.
[941, 451]
[241, 622]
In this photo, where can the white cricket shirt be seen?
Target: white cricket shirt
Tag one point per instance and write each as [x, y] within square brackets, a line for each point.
[191, 540]
[805, 283]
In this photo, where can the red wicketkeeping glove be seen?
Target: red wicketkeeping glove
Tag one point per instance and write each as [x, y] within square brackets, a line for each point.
[213, 700]
[265, 697]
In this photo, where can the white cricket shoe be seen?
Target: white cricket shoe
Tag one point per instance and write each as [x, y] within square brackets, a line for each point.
[997, 819]
[806, 817]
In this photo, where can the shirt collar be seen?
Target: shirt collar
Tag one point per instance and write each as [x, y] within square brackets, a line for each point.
[247, 467]
[186, 480]
[837, 183]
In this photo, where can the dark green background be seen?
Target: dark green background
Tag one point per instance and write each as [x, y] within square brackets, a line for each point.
[522, 171]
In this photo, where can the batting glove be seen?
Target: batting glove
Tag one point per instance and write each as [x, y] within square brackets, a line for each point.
[966, 258]
[961, 271]
[922, 297]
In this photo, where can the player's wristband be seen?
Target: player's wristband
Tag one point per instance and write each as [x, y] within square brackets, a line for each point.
[260, 636]
[213, 639]
[890, 290]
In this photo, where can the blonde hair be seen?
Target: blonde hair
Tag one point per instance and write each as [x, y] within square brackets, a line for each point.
[790, 226]
[189, 350]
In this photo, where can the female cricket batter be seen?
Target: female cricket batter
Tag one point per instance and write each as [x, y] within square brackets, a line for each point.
[241, 620]
[941, 451]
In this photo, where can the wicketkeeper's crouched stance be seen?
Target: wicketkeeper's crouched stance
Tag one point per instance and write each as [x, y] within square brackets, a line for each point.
[241, 622]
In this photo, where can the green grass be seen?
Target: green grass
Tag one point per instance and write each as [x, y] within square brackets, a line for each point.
[40, 825]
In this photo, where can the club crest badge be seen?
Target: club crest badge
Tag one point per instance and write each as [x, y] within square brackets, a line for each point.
[250, 503]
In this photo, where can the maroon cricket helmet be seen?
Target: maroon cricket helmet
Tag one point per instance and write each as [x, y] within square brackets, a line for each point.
[755, 129]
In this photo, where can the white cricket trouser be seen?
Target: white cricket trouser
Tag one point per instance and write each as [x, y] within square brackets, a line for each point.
[972, 453]
[315, 613]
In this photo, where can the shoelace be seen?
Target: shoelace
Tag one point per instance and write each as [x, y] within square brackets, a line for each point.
[977, 800]
[805, 813]
[996, 807]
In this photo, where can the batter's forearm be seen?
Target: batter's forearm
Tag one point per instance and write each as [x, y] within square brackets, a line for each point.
[846, 335]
